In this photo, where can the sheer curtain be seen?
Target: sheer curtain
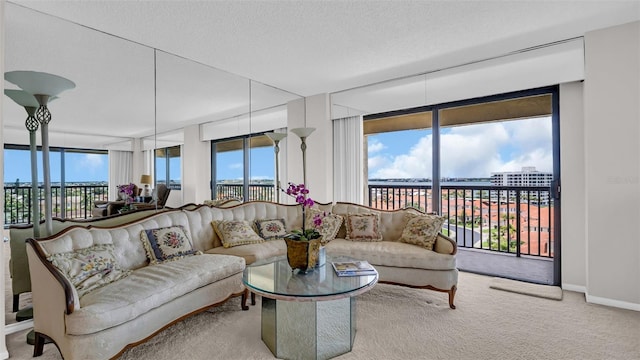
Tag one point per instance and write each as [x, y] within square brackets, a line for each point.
[348, 158]
[120, 170]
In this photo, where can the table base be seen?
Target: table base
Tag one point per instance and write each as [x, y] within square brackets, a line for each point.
[308, 329]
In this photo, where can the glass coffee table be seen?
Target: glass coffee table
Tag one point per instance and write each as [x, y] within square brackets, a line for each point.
[306, 316]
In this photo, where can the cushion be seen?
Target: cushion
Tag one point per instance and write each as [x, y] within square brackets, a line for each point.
[90, 268]
[330, 224]
[271, 228]
[422, 230]
[235, 232]
[363, 227]
[166, 244]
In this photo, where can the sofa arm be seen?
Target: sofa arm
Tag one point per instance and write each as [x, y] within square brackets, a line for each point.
[445, 245]
[48, 285]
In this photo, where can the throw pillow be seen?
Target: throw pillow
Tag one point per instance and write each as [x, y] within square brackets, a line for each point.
[330, 224]
[363, 227]
[422, 230]
[166, 244]
[235, 232]
[271, 229]
[89, 268]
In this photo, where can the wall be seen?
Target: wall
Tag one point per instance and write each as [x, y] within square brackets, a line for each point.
[319, 146]
[573, 187]
[3, 347]
[196, 167]
[612, 165]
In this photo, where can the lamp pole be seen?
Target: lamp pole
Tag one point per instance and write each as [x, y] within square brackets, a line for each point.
[30, 104]
[303, 133]
[32, 125]
[43, 87]
[276, 137]
[44, 117]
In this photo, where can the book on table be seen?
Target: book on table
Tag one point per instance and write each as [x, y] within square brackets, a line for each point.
[353, 268]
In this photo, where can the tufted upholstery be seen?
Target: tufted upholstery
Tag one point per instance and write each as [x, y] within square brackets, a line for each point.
[391, 222]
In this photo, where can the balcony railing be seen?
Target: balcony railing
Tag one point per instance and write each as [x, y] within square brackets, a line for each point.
[75, 202]
[263, 192]
[517, 220]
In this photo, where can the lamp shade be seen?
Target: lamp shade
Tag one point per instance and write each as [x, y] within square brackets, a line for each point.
[39, 83]
[303, 132]
[145, 179]
[22, 98]
[275, 137]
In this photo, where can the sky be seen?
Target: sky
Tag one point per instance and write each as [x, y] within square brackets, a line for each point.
[80, 167]
[466, 151]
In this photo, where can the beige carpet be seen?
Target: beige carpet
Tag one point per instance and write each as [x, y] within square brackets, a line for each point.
[524, 288]
[400, 323]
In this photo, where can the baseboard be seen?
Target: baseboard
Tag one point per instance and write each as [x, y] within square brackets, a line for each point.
[613, 303]
[19, 326]
[575, 288]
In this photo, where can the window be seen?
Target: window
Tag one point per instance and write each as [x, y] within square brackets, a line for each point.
[168, 167]
[243, 168]
[78, 177]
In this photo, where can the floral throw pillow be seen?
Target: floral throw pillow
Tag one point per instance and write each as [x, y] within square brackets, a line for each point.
[330, 224]
[363, 227]
[271, 229]
[89, 268]
[422, 230]
[235, 232]
[166, 244]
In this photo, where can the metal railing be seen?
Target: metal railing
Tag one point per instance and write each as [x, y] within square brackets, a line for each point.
[263, 192]
[68, 202]
[517, 220]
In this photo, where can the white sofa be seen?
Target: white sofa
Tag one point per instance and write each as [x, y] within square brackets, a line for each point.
[110, 319]
[397, 263]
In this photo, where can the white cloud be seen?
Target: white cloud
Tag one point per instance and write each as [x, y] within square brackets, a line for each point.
[378, 161]
[91, 162]
[474, 151]
[236, 166]
[375, 146]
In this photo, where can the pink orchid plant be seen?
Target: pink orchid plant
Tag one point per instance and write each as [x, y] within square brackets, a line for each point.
[301, 194]
[127, 191]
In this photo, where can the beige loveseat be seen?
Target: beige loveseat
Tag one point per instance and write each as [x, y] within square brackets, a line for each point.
[104, 322]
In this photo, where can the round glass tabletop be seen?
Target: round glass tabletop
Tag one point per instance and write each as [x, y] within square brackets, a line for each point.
[274, 279]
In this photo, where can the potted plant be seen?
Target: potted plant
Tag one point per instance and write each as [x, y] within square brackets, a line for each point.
[126, 192]
[303, 245]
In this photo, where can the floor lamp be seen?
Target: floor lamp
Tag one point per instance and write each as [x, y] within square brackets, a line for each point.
[303, 133]
[30, 104]
[44, 87]
[276, 137]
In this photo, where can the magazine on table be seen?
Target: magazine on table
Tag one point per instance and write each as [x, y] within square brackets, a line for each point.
[353, 268]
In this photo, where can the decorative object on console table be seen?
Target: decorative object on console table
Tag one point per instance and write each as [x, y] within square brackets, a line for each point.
[303, 246]
[145, 180]
[127, 193]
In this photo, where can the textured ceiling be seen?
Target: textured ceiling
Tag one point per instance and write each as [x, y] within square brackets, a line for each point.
[311, 47]
[301, 47]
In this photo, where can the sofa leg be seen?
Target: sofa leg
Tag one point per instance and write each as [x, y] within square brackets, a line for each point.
[16, 302]
[245, 295]
[452, 294]
[38, 346]
[253, 298]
